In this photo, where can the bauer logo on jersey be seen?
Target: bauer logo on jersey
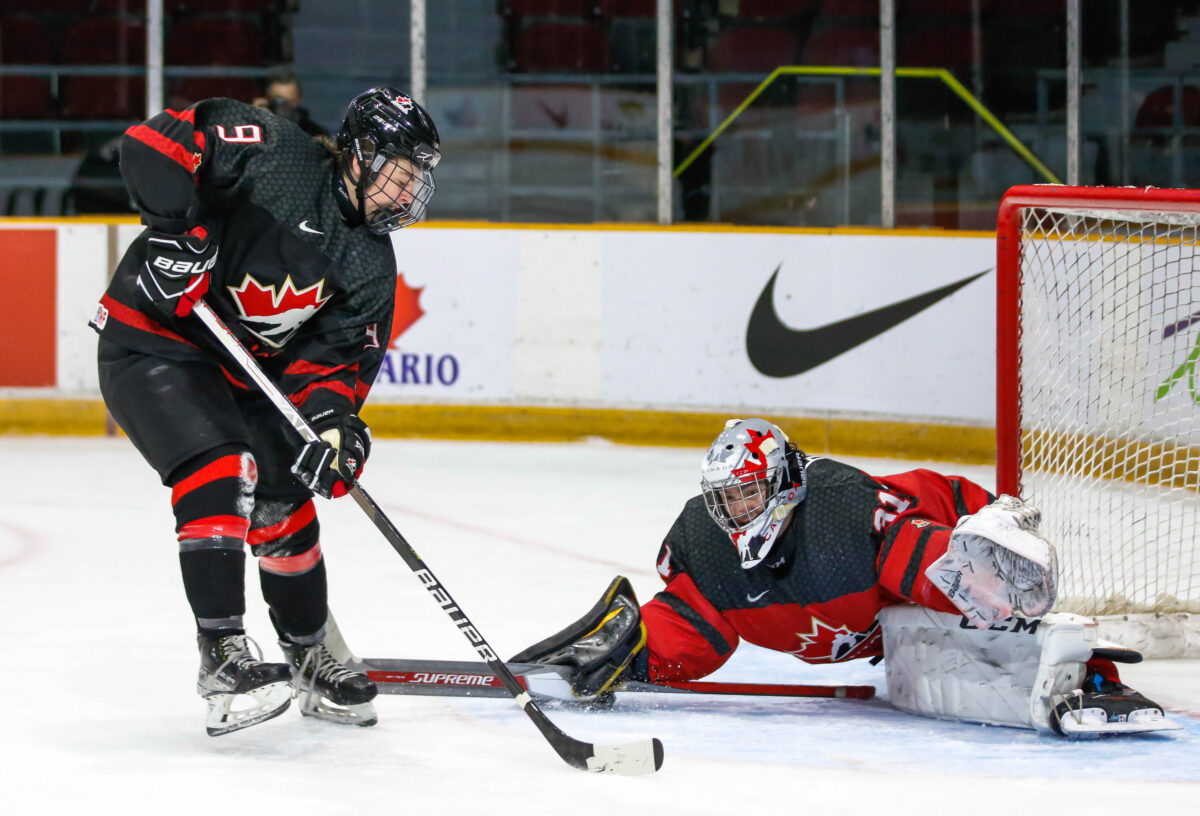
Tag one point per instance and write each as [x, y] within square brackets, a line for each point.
[273, 316]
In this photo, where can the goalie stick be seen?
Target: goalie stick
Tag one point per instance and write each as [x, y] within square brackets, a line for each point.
[641, 757]
[453, 678]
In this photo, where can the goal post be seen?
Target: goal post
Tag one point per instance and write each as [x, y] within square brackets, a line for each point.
[1098, 398]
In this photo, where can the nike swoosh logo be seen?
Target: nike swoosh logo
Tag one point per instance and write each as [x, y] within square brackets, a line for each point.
[559, 117]
[304, 227]
[753, 598]
[776, 350]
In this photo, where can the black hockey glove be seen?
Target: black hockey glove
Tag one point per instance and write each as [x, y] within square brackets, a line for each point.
[602, 649]
[177, 268]
[329, 466]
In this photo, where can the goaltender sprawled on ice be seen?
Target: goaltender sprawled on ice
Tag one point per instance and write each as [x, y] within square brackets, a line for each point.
[809, 556]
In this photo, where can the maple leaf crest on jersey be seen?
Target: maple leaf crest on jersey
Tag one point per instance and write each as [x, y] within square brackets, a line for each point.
[275, 315]
[825, 643]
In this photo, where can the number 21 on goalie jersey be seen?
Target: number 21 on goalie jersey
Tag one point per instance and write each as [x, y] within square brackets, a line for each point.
[890, 508]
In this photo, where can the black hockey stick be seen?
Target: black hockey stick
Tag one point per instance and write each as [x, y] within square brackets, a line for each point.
[453, 678]
[641, 757]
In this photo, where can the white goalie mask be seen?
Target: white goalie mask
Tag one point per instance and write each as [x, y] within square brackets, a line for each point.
[750, 487]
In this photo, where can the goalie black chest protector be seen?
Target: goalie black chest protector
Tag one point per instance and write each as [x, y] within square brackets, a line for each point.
[821, 605]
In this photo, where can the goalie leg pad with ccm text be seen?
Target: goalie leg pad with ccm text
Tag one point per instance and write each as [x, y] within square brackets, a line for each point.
[939, 665]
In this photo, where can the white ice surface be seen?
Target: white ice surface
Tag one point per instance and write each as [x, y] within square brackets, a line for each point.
[97, 663]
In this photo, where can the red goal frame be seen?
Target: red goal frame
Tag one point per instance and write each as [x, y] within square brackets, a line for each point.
[1008, 291]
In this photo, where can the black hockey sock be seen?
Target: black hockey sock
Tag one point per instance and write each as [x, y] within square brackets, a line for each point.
[214, 580]
[298, 601]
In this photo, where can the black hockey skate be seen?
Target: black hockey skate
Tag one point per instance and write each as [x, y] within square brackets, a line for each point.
[241, 690]
[1105, 706]
[326, 688]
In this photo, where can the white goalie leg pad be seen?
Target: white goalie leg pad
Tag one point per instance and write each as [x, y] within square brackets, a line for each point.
[996, 565]
[938, 666]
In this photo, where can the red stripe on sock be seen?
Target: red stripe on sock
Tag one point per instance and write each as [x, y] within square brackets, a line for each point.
[296, 521]
[291, 564]
[227, 467]
[215, 527]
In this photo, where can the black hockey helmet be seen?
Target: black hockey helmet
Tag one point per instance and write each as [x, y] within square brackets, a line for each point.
[396, 146]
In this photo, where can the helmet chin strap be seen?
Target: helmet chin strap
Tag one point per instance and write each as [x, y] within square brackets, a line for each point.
[360, 191]
[756, 543]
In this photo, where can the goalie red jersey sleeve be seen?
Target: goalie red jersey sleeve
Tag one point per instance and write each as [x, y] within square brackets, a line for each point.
[920, 509]
[686, 637]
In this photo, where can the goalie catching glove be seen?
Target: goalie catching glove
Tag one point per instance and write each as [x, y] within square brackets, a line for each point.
[603, 649]
[996, 565]
[330, 465]
[177, 268]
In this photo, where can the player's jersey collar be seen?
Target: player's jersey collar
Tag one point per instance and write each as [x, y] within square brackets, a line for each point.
[344, 200]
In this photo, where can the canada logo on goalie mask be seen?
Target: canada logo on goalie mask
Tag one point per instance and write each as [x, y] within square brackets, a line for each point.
[275, 315]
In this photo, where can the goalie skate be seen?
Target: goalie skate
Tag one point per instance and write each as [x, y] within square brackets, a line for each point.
[326, 688]
[1108, 708]
[239, 689]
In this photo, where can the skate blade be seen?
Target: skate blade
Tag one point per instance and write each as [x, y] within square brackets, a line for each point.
[233, 712]
[362, 714]
[1093, 723]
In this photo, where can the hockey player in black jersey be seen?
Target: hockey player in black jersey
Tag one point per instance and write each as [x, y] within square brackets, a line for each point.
[286, 239]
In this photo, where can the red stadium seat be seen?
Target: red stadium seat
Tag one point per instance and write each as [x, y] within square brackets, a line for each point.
[566, 47]
[909, 9]
[105, 41]
[752, 49]
[104, 97]
[49, 6]
[23, 41]
[217, 6]
[629, 8]
[937, 47]
[857, 46]
[776, 9]
[1158, 109]
[25, 97]
[215, 41]
[184, 92]
[128, 7]
[1030, 8]
[549, 8]
[850, 8]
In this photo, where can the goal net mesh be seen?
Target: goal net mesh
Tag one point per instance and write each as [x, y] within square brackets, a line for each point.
[1108, 348]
